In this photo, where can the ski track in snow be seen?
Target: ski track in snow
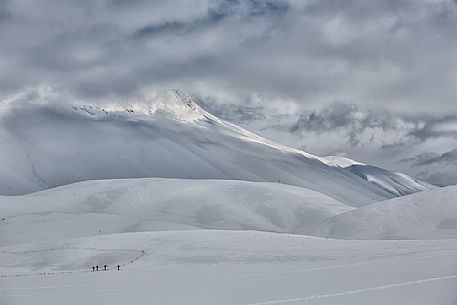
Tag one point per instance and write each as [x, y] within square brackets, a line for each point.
[240, 276]
[142, 253]
[247, 275]
[355, 291]
[47, 273]
[266, 302]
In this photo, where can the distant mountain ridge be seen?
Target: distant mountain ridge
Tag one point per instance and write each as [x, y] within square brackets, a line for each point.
[397, 184]
[164, 134]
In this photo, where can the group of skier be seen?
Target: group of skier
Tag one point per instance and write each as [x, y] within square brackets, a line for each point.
[105, 267]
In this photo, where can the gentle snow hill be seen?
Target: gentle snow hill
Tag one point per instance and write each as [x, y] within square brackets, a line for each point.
[154, 204]
[201, 247]
[395, 183]
[430, 214]
[227, 268]
[43, 145]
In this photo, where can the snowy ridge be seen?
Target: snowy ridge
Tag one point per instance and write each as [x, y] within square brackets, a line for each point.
[398, 184]
[156, 204]
[116, 206]
[175, 103]
[165, 135]
[342, 162]
[430, 214]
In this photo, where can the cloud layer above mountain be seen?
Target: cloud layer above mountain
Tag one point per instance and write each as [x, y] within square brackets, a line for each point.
[362, 77]
[398, 53]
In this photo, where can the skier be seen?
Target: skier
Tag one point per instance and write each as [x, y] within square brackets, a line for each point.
[118, 267]
[93, 268]
[96, 267]
[104, 267]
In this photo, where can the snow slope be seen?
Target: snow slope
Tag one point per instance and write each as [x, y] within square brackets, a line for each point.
[398, 184]
[342, 162]
[430, 214]
[228, 267]
[43, 145]
[149, 204]
[395, 183]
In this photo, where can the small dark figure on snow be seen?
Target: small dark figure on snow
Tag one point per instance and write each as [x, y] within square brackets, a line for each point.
[93, 268]
[96, 267]
[118, 267]
[104, 267]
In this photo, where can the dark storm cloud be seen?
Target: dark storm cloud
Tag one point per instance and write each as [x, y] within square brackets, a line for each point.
[102, 44]
[393, 130]
[216, 13]
[336, 115]
[437, 168]
[181, 28]
[236, 113]
[4, 12]
[308, 51]
[435, 127]
[423, 159]
[167, 27]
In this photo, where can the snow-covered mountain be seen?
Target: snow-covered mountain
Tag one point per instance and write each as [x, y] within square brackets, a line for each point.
[163, 134]
[395, 183]
[204, 237]
[430, 214]
[157, 204]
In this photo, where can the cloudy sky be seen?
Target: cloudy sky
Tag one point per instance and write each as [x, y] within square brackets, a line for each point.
[374, 80]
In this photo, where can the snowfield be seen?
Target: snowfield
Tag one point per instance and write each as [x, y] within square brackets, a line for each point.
[229, 267]
[209, 266]
[196, 210]
[150, 204]
[425, 215]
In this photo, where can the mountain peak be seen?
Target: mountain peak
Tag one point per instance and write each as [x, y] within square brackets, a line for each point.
[185, 98]
[175, 103]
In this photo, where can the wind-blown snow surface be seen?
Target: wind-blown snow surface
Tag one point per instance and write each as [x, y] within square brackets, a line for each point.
[166, 135]
[229, 267]
[426, 215]
[149, 204]
[395, 183]
[341, 161]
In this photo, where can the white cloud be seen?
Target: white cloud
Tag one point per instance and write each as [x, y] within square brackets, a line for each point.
[275, 57]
